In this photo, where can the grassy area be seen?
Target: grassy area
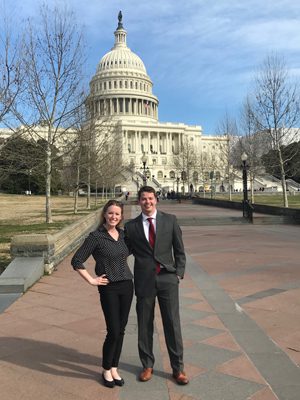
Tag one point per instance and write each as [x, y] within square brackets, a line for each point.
[26, 214]
[267, 199]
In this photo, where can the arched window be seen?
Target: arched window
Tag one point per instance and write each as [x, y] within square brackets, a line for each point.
[172, 175]
[195, 176]
[160, 175]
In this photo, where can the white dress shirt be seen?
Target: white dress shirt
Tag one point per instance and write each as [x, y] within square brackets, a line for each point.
[146, 223]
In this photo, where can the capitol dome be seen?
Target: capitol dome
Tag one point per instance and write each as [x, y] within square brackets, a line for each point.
[121, 85]
[121, 57]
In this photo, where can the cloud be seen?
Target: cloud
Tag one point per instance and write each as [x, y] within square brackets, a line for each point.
[201, 53]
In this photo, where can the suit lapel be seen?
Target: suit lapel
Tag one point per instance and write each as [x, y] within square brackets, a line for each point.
[159, 227]
[140, 230]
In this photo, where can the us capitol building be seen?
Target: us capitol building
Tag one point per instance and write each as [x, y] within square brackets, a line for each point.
[121, 96]
[121, 92]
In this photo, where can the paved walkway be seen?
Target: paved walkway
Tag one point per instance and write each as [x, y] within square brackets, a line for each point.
[240, 307]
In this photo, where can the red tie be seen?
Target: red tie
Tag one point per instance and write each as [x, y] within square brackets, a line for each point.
[152, 240]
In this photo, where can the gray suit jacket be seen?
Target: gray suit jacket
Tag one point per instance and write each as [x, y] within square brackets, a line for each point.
[168, 250]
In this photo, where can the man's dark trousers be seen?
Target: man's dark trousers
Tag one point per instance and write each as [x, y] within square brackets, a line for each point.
[166, 291]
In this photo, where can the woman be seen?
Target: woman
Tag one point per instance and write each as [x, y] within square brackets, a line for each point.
[114, 281]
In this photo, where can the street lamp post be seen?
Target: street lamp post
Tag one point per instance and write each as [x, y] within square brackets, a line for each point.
[145, 170]
[247, 208]
[184, 179]
[177, 186]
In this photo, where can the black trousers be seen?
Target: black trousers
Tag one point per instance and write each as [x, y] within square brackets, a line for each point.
[115, 300]
[168, 299]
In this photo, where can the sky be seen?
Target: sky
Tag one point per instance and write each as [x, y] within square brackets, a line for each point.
[201, 55]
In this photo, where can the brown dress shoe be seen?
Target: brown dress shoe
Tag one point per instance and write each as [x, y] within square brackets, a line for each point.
[180, 378]
[146, 374]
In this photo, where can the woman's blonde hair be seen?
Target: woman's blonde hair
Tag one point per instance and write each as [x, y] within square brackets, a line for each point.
[106, 207]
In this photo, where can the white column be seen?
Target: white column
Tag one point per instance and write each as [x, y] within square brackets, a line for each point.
[169, 143]
[139, 142]
[126, 142]
[149, 141]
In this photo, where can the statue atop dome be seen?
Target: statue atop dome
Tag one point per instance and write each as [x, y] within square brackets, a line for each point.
[120, 24]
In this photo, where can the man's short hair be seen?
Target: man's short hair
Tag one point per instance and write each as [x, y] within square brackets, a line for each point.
[148, 189]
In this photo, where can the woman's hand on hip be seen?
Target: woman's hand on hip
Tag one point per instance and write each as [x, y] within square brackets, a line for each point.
[99, 280]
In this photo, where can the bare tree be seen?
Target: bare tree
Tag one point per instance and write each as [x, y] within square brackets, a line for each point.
[203, 165]
[77, 156]
[109, 164]
[101, 146]
[185, 161]
[276, 109]
[227, 129]
[252, 142]
[98, 157]
[53, 62]
[11, 69]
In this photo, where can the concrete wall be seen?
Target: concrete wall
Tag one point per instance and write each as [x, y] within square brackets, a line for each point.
[36, 254]
[53, 248]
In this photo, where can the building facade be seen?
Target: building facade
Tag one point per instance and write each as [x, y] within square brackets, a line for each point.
[121, 93]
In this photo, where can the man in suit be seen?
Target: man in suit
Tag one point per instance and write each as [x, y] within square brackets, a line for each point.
[155, 240]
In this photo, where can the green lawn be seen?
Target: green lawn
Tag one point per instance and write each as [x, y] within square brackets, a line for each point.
[267, 199]
[25, 215]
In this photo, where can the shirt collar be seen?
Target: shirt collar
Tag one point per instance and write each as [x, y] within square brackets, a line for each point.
[102, 228]
[145, 217]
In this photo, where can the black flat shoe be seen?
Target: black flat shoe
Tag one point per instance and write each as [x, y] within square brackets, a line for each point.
[119, 382]
[109, 384]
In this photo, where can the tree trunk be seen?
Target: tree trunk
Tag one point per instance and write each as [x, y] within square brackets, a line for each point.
[76, 190]
[252, 187]
[48, 183]
[88, 199]
[283, 181]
